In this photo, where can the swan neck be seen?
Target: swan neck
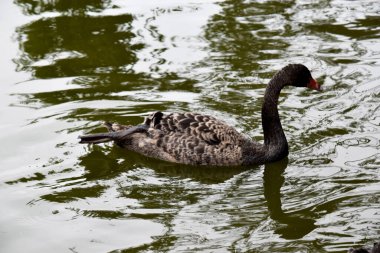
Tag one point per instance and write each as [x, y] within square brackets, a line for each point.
[275, 142]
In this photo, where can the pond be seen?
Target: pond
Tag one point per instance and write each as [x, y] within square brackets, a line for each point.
[69, 65]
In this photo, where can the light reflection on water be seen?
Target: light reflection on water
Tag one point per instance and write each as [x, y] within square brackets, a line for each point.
[80, 63]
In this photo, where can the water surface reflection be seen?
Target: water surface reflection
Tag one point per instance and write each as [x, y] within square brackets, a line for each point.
[291, 226]
[109, 60]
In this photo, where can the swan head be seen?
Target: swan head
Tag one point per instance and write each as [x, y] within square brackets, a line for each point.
[299, 75]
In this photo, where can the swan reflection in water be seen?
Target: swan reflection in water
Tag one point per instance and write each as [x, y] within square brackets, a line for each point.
[291, 226]
[100, 164]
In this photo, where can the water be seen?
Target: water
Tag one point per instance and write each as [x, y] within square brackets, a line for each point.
[68, 65]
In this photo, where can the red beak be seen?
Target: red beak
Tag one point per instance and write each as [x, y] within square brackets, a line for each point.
[313, 85]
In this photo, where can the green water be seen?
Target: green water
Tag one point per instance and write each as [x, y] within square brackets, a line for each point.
[68, 65]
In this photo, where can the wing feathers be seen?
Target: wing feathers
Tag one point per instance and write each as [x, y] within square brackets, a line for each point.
[202, 127]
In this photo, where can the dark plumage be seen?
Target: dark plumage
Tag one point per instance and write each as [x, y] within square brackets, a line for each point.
[375, 249]
[192, 138]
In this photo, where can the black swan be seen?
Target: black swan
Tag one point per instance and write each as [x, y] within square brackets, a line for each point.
[192, 138]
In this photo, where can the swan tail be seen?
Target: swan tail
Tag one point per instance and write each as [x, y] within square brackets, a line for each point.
[96, 138]
[117, 136]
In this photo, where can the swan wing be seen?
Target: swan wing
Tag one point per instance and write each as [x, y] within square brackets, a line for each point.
[202, 127]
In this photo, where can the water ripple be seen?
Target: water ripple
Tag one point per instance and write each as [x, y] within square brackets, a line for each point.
[83, 63]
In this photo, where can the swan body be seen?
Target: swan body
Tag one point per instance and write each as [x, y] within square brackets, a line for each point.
[192, 138]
